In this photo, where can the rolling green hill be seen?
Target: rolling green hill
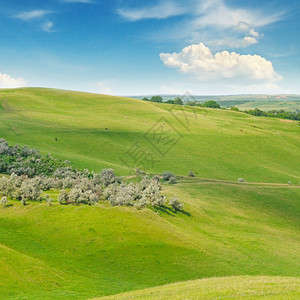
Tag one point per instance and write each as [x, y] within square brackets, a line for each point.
[226, 229]
[97, 131]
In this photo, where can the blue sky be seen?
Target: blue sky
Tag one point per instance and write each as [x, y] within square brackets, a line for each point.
[130, 47]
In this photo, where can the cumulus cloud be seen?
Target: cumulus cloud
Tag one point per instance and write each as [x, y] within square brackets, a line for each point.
[33, 14]
[200, 62]
[162, 10]
[7, 81]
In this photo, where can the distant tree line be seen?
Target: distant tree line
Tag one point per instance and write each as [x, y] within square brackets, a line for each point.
[178, 101]
[282, 114]
[213, 104]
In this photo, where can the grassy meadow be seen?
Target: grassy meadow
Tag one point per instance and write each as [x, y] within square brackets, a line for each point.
[245, 233]
[98, 132]
[243, 287]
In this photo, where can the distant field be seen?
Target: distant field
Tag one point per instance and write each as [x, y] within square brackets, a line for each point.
[270, 105]
[243, 287]
[245, 102]
[97, 132]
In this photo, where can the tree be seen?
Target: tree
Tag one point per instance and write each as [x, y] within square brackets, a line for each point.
[4, 201]
[170, 101]
[107, 177]
[30, 190]
[234, 108]
[176, 204]
[168, 176]
[152, 194]
[156, 99]
[178, 101]
[48, 200]
[75, 195]
[211, 104]
[62, 197]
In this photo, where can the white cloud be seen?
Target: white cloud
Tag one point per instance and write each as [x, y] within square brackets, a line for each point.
[207, 18]
[198, 61]
[33, 14]
[216, 13]
[48, 26]
[234, 42]
[7, 81]
[162, 10]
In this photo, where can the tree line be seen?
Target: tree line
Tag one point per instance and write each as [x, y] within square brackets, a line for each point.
[282, 114]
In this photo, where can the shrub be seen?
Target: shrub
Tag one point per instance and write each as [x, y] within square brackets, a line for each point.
[176, 204]
[30, 189]
[168, 176]
[48, 200]
[152, 194]
[211, 104]
[6, 187]
[191, 174]
[63, 197]
[4, 201]
[172, 180]
[76, 196]
[140, 172]
[108, 177]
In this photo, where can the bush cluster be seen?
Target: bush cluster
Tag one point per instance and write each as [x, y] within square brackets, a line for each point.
[31, 174]
[83, 190]
[27, 161]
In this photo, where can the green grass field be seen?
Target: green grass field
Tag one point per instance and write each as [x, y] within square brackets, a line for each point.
[226, 229]
[243, 287]
[216, 144]
[270, 105]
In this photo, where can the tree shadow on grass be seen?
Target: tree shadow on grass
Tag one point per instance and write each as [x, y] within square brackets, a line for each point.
[8, 205]
[169, 211]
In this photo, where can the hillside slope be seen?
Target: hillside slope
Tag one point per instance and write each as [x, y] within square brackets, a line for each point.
[98, 131]
[227, 228]
[243, 287]
[82, 252]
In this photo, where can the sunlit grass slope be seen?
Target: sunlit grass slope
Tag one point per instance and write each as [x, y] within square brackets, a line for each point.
[97, 131]
[82, 252]
[227, 229]
[243, 287]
